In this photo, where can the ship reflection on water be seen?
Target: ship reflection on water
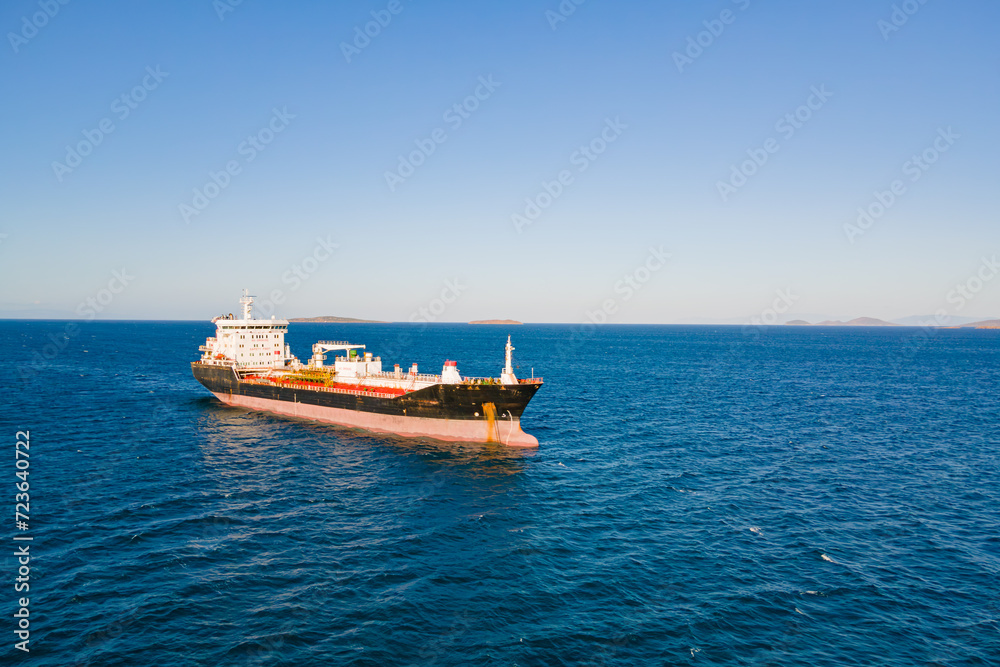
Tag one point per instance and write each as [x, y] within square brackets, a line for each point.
[347, 493]
[237, 443]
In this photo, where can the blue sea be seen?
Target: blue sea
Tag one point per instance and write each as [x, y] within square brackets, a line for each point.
[701, 496]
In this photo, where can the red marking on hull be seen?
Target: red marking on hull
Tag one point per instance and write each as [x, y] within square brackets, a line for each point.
[465, 430]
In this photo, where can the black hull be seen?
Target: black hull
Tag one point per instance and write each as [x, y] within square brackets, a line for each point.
[442, 401]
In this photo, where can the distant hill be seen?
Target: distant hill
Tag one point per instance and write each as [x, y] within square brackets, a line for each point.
[796, 322]
[333, 319]
[856, 322]
[985, 324]
[495, 322]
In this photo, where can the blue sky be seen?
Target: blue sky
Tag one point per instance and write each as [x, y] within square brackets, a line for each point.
[554, 86]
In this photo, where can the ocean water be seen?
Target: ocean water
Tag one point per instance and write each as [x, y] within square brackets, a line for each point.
[702, 496]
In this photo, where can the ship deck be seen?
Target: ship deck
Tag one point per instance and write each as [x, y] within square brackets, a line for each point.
[360, 389]
[334, 387]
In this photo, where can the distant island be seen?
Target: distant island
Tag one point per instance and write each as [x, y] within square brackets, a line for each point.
[856, 322]
[333, 319]
[985, 324]
[495, 322]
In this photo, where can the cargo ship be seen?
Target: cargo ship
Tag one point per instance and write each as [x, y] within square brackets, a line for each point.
[248, 364]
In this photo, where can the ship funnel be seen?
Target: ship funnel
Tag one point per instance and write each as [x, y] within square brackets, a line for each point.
[449, 374]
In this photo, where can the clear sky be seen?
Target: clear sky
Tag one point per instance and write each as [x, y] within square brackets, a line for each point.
[312, 117]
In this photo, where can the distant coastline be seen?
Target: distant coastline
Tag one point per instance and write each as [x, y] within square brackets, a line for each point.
[495, 322]
[856, 322]
[984, 324]
[333, 319]
[874, 322]
[927, 322]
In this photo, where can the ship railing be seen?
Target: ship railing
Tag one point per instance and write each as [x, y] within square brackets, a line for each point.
[422, 377]
[381, 375]
[404, 375]
[216, 362]
[488, 380]
[468, 379]
[386, 375]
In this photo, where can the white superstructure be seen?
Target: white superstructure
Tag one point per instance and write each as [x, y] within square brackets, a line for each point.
[256, 349]
[352, 365]
[248, 342]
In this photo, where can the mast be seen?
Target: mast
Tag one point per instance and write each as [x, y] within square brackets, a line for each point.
[247, 302]
[507, 374]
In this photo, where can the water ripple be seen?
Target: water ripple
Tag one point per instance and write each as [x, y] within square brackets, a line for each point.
[700, 496]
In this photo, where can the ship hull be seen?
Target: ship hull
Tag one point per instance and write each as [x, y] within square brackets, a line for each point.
[455, 412]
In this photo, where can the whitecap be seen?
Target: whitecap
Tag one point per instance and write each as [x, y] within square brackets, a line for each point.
[827, 558]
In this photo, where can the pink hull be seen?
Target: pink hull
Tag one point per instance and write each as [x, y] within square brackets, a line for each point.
[506, 431]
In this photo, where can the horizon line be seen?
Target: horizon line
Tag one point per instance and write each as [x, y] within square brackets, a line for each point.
[843, 325]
